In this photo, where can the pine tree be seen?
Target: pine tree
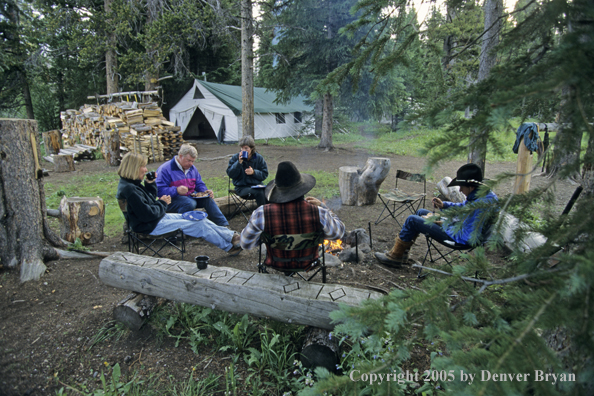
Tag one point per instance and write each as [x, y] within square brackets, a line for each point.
[509, 322]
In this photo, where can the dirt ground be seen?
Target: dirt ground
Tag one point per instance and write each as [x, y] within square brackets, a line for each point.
[47, 326]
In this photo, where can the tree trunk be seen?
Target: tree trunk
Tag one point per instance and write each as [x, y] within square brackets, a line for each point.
[568, 141]
[52, 140]
[111, 60]
[493, 10]
[24, 230]
[27, 95]
[274, 296]
[82, 218]
[319, 116]
[326, 140]
[247, 68]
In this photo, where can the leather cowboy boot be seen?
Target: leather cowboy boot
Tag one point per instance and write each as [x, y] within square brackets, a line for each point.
[398, 255]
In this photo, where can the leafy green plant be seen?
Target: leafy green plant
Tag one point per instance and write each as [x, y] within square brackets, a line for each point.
[195, 387]
[77, 245]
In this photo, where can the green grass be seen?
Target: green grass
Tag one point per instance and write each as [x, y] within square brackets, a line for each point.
[102, 185]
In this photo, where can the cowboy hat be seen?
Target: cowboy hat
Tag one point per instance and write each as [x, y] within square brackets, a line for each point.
[288, 184]
[468, 175]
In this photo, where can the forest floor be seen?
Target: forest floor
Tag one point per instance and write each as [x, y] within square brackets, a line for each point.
[47, 326]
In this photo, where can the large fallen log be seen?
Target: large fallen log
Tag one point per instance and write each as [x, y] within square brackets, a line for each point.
[274, 296]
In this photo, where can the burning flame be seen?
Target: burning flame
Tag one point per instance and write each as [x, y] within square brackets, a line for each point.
[333, 247]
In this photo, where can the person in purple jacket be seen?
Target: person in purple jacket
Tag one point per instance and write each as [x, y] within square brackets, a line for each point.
[180, 179]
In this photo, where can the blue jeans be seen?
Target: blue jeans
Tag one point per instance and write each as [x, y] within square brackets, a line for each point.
[205, 229]
[257, 193]
[415, 225]
[183, 204]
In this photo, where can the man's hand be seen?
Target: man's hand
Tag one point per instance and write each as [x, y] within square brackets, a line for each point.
[182, 190]
[210, 193]
[437, 203]
[166, 199]
[249, 171]
[313, 201]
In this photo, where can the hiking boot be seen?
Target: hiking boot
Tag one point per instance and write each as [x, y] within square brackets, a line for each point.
[398, 255]
[234, 251]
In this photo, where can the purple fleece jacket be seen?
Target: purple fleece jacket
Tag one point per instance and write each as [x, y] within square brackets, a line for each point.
[170, 177]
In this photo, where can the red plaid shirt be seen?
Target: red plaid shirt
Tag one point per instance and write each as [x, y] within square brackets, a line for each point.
[291, 219]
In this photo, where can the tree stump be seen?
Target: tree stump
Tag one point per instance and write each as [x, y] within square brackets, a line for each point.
[111, 147]
[320, 350]
[82, 218]
[362, 185]
[24, 230]
[52, 140]
[63, 163]
[348, 177]
[134, 310]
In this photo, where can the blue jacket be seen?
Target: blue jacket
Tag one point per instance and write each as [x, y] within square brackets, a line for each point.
[470, 222]
[236, 171]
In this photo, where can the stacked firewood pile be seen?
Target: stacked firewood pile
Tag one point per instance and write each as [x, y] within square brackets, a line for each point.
[141, 128]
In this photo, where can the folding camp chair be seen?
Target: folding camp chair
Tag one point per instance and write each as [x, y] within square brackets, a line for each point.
[288, 243]
[397, 201]
[140, 243]
[239, 202]
[442, 249]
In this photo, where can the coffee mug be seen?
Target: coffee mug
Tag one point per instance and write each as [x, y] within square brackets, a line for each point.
[244, 154]
[201, 262]
[151, 175]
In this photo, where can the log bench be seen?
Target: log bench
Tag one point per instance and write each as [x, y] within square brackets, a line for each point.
[273, 296]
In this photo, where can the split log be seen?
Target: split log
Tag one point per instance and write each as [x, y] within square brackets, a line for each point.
[320, 350]
[451, 194]
[82, 218]
[275, 296]
[63, 163]
[362, 185]
[134, 310]
[52, 141]
[111, 147]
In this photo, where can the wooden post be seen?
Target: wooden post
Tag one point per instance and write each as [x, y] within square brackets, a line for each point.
[360, 186]
[52, 140]
[63, 163]
[523, 169]
[82, 218]
[274, 296]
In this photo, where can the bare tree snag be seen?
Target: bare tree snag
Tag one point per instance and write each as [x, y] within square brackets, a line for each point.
[360, 186]
[134, 310]
[247, 68]
[24, 230]
[320, 350]
[63, 163]
[111, 147]
[52, 140]
[82, 218]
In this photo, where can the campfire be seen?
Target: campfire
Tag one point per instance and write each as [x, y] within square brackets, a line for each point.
[333, 247]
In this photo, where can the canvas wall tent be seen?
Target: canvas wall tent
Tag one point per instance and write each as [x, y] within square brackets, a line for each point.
[213, 111]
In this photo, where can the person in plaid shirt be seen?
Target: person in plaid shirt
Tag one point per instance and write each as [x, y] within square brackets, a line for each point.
[292, 215]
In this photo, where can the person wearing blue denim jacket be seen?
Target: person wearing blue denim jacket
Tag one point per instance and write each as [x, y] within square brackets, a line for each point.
[469, 177]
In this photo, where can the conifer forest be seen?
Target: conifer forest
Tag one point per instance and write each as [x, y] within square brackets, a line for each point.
[472, 69]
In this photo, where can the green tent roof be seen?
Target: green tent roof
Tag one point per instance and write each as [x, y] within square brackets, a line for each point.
[263, 101]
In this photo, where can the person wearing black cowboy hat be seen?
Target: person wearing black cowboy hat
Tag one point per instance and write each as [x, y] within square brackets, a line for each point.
[290, 213]
[469, 178]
